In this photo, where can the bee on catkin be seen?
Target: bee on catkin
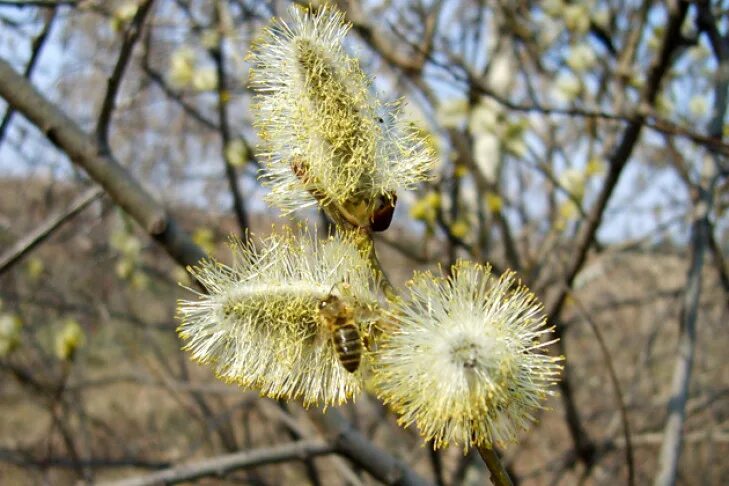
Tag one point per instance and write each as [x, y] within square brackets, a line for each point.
[261, 323]
[339, 318]
[328, 140]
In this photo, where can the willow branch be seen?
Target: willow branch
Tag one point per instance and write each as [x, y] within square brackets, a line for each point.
[618, 160]
[616, 385]
[28, 242]
[356, 447]
[113, 83]
[225, 464]
[218, 55]
[720, 264]
[36, 48]
[85, 151]
[38, 3]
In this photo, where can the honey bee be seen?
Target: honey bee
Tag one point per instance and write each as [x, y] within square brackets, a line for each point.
[338, 317]
[355, 213]
[382, 216]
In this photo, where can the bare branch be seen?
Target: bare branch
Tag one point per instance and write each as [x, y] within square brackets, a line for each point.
[36, 49]
[46, 228]
[222, 465]
[27, 459]
[131, 35]
[218, 55]
[720, 264]
[38, 3]
[584, 239]
[352, 444]
[673, 432]
[85, 151]
[307, 430]
[700, 240]
[585, 314]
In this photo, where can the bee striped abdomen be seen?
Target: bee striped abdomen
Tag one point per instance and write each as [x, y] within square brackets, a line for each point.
[348, 345]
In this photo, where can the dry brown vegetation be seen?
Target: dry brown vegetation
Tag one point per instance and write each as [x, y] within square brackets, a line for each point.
[128, 398]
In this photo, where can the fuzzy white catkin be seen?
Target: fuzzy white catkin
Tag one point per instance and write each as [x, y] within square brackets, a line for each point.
[327, 138]
[258, 326]
[464, 359]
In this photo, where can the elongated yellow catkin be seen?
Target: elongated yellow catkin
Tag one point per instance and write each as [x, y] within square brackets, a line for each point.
[258, 324]
[328, 140]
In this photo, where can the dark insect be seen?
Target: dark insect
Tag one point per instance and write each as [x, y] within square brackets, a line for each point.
[338, 317]
[382, 215]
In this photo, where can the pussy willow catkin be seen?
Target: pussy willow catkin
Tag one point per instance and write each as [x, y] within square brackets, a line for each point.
[259, 323]
[328, 139]
[463, 359]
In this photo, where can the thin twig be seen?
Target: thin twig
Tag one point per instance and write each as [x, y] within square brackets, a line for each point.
[618, 160]
[307, 430]
[721, 265]
[356, 447]
[26, 459]
[25, 244]
[38, 3]
[585, 314]
[36, 48]
[225, 464]
[131, 35]
[311, 471]
[218, 55]
[85, 151]
[702, 197]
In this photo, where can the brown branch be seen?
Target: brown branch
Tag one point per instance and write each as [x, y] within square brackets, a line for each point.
[407, 62]
[307, 430]
[585, 314]
[294, 434]
[26, 459]
[225, 464]
[672, 40]
[720, 264]
[25, 244]
[645, 117]
[218, 55]
[85, 151]
[355, 446]
[199, 117]
[463, 147]
[113, 83]
[36, 48]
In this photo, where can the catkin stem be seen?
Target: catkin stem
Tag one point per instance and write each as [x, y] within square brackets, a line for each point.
[365, 243]
[499, 476]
